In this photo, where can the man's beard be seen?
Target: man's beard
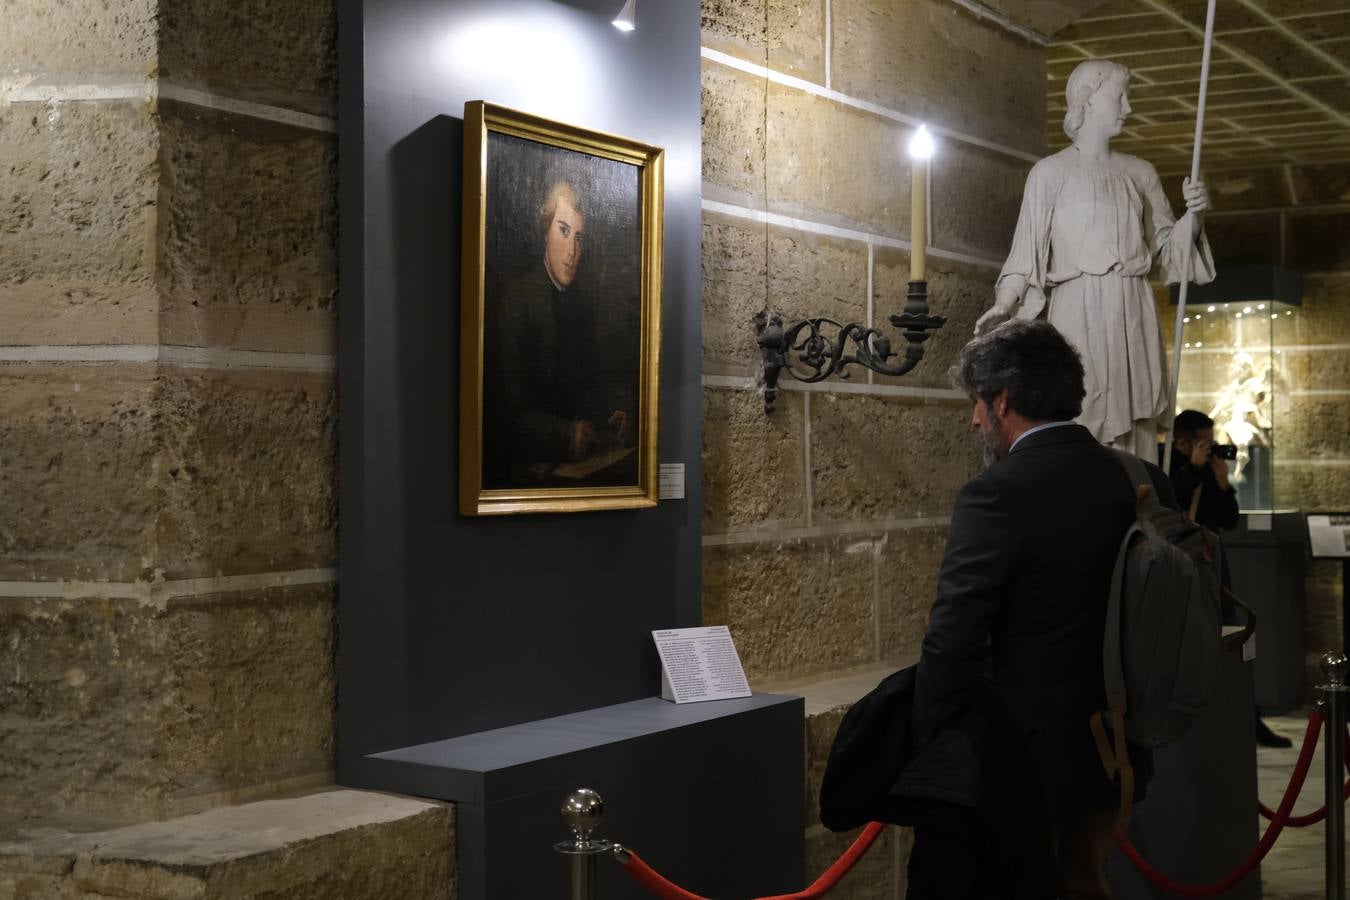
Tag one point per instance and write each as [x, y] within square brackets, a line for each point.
[989, 436]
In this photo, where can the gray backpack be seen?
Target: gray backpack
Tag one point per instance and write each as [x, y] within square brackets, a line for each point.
[1162, 648]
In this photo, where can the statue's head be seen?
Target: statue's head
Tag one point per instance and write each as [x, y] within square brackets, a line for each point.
[1086, 80]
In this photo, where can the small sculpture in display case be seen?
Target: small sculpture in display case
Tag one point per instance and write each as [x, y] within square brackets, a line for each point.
[1093, 225]
[1238, 333]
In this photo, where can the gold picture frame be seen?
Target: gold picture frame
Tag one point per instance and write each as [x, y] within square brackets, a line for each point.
[560, 316]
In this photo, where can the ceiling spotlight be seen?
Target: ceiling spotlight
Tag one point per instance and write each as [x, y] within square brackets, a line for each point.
[626, 20]
[1211, 309]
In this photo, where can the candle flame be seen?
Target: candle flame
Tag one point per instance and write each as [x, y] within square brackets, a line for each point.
[921, 145]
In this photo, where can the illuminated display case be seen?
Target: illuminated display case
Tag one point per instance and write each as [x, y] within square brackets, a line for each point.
[1234, 368]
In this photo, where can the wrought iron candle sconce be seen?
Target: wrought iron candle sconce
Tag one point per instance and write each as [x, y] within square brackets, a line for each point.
[808, 355]
[803, 349]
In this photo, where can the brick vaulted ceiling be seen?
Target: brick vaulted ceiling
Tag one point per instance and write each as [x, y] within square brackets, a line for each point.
[1279, 89]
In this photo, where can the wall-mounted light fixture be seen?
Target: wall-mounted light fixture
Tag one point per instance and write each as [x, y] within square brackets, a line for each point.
[626, 20]
[816, 357]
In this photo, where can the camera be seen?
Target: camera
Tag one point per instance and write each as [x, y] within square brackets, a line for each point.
[1224, 451]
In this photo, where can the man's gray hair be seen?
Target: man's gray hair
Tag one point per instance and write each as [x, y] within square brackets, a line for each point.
[1032, 361]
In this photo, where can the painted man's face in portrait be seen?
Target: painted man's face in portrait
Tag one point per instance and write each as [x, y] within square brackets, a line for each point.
[563, 245]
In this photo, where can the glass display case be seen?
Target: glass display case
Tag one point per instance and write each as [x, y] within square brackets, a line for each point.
[1235, 369]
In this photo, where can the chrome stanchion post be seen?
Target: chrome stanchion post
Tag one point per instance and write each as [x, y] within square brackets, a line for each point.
[581, 812]
[1334, 665]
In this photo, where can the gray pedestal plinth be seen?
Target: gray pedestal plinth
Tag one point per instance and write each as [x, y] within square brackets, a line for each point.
[1199, 820]
[1267, 568]
[708, 793]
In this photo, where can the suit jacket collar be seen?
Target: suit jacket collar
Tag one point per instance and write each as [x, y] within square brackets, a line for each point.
[1066, 434]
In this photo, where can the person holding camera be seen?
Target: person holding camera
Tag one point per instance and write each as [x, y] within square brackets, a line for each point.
[1199, 473]
[1200, 479]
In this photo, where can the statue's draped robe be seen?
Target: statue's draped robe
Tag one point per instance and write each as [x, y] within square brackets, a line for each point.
[1087, 238]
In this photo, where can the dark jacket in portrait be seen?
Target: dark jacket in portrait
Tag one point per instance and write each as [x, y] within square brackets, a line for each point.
[551, 358]
[1022, 595]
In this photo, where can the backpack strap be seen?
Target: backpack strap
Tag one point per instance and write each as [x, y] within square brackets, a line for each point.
[1139, 477]
[1114, 755]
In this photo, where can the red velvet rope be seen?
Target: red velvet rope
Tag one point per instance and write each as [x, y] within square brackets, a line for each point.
[1320, 813]
[1277, 824]
[657, 884]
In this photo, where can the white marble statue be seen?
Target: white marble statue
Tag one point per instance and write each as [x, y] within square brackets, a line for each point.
[1238, 412]
[1093, 225]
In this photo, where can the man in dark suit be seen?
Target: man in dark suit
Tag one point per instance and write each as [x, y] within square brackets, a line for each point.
[1022, 592]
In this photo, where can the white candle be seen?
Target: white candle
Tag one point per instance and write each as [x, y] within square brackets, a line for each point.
[920, 149]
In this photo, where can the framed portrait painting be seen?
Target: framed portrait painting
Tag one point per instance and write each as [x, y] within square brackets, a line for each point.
[560, 316]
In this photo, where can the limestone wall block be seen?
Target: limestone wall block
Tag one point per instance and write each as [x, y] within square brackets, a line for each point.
[753, 465]
[1312, 487]
[122, 709]
[939, 63]
[734, 290]
[1318, 241]
[1241, 189]
[976, 197]
[336, 843]
[956, 290]
[254, 689]
[820, 731]
[278, 53]
[86, 694]
[77, 221]
[248, 233]
[880, 875]
[733, 136]
[80, 37]
[1323, 369]
[1315, 427]
[247, 472]
[1325, 316]
[888, 458]
[906, 588]
[836, 164]
[794, 608]
[1327, 183]
[77, 451]
[793, 34]
[808, 275]
[1245, 240]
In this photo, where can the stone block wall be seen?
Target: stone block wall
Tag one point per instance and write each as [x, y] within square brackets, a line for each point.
[167, 282]
[824, 523]
[1298, 216]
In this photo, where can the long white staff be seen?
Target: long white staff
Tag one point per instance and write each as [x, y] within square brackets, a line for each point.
[1190, 237]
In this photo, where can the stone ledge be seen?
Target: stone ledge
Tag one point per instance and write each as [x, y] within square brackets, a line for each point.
[336, 843]
[832, 690]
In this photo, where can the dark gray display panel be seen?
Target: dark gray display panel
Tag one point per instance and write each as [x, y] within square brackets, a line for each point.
[452, 625]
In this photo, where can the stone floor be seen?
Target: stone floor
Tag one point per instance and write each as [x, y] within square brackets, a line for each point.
[1295, 868]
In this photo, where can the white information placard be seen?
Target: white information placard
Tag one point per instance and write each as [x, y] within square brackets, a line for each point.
[699, 664]
[1329, 535]
[671, 480]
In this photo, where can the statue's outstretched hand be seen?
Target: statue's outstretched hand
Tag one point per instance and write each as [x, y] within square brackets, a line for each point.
[993, 317]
